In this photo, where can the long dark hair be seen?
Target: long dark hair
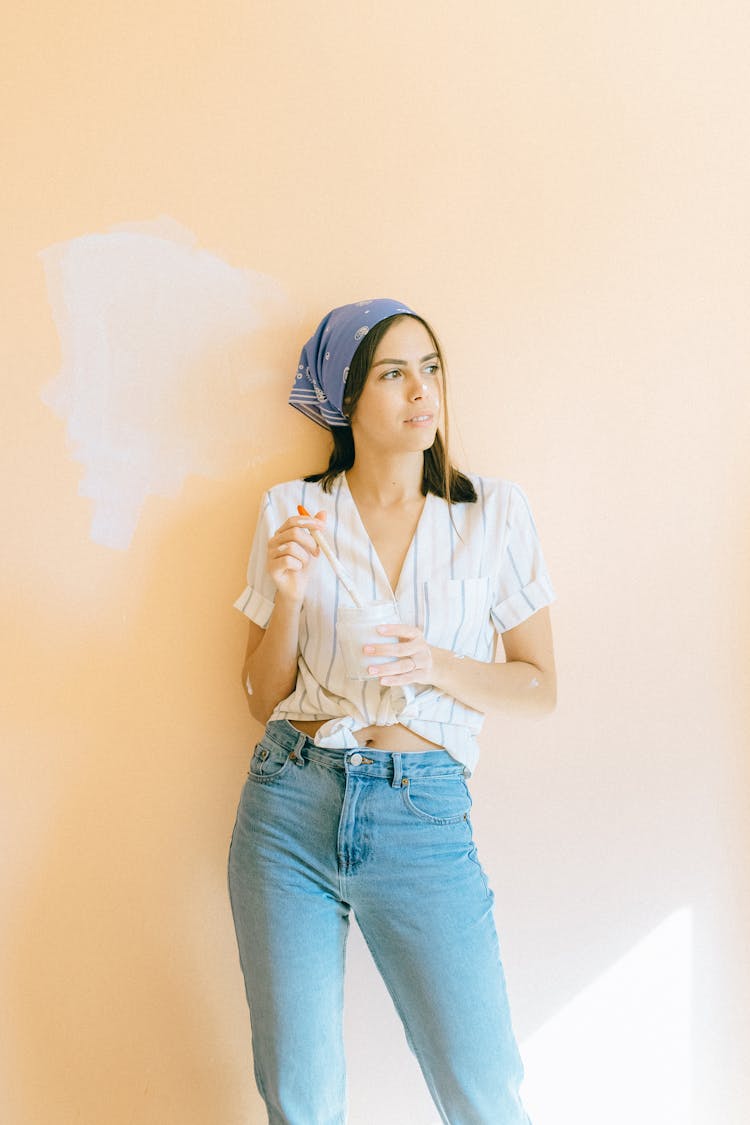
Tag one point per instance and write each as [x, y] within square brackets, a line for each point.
[438, 475]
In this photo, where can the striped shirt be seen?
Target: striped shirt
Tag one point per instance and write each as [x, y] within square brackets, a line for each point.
[461, 585]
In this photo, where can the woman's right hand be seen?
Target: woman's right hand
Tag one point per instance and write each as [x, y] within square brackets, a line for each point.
[290, 554]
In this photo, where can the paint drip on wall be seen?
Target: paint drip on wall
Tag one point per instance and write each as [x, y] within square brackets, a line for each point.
[162, 343]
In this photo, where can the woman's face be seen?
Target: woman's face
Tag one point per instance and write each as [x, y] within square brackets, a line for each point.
[399, 407]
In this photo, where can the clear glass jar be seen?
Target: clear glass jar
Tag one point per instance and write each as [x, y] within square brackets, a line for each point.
[357, 626]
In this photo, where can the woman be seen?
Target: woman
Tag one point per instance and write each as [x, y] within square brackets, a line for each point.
[356, 797]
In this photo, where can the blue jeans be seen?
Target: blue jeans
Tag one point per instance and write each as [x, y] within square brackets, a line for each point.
[320, 833]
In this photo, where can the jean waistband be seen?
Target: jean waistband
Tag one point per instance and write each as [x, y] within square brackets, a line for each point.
[389, 764]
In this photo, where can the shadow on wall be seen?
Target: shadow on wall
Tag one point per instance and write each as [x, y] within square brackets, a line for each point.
[643, 1007]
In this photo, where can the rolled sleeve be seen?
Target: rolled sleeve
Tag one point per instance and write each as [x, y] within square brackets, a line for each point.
[523, 584]
[257, 599]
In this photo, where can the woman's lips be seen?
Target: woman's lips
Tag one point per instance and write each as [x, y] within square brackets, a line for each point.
[419, 420]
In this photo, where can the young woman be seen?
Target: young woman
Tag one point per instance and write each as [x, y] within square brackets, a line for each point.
[356, 798]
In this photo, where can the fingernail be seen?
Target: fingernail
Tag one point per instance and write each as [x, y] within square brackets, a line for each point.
[369, 648]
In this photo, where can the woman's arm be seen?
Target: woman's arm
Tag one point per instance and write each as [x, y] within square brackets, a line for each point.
[270, 669]
[526, 683]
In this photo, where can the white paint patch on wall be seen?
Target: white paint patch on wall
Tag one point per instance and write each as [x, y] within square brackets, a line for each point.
[158, 356]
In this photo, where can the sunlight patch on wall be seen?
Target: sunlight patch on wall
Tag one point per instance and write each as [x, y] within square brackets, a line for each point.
[158, 358]
[620, 1052]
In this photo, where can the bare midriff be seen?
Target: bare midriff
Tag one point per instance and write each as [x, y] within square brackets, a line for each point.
[394, 738]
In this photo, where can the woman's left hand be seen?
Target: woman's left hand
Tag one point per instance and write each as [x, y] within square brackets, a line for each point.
[413, 664]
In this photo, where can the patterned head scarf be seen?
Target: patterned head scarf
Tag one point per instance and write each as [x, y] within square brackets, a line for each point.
[324, 363]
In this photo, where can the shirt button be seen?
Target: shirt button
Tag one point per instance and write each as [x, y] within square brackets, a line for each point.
[356, 759]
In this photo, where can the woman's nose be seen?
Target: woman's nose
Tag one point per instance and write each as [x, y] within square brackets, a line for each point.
[418, 387]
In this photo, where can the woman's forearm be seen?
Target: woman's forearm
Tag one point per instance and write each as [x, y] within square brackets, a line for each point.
[270, 671]
[513, 686]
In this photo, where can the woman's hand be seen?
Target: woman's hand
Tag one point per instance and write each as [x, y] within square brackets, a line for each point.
[414, 657]
[525, 682]
[290, 554]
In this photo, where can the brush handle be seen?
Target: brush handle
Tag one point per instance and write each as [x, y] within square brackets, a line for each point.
[338, 569]
[341, 574]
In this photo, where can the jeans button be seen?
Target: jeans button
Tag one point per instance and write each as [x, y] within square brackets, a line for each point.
[356, 759]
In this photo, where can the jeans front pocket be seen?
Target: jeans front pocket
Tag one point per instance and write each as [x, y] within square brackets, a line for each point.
[437, 800]
[268, 762]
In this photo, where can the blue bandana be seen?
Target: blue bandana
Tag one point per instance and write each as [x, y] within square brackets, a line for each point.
[324, 363]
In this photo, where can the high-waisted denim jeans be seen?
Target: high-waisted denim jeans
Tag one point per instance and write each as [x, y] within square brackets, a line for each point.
[320, 833]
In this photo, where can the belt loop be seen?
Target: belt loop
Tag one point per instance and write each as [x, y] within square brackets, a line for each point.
[296, 753]
[397, 771]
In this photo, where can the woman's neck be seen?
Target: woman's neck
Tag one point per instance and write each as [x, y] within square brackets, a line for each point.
[386, 482]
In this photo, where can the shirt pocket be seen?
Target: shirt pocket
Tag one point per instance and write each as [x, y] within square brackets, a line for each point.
[457, 614]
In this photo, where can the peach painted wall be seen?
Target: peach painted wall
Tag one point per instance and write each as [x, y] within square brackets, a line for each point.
[563, 190]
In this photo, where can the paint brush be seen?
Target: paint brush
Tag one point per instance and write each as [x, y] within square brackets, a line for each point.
[327, 550]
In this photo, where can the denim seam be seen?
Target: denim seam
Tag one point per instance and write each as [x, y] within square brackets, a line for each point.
[333, 767]
[474, 857]
[426, 817]
[267, 778]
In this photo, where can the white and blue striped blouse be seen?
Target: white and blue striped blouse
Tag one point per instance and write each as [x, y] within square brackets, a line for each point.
[459, 584]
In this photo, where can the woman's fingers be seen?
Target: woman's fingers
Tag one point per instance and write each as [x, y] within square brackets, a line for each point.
[398, 629]
[296, 534]
[316, 521]
[413, 641]
[292, 550]
[298, 529]
[413, 656]
[292, 547]
[409, 670]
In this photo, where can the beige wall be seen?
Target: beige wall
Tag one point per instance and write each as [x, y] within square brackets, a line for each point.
[563, 190]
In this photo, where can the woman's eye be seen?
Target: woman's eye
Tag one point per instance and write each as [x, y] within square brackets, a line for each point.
[396, 373]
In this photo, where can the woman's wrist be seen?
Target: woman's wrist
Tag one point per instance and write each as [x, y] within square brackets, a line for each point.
[444, 664]
[288, 603]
